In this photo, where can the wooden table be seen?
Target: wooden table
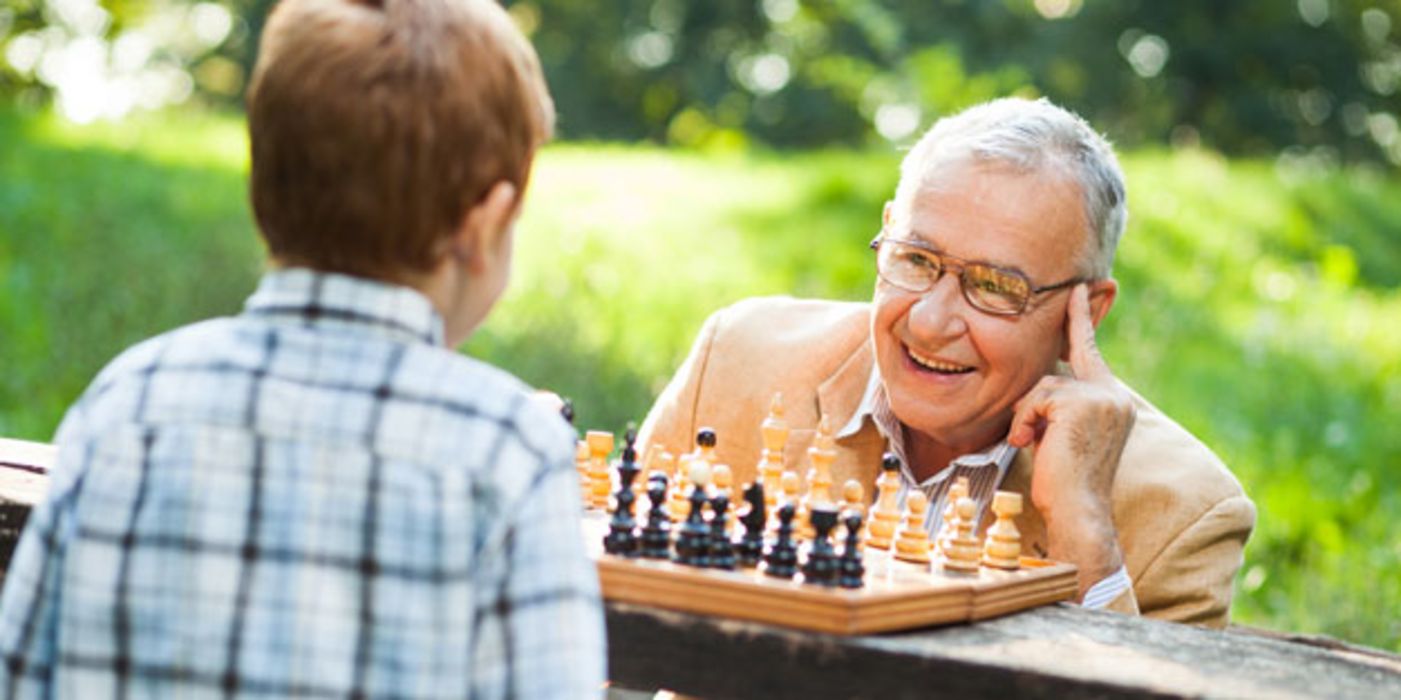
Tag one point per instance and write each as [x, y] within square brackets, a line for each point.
[1058, 651]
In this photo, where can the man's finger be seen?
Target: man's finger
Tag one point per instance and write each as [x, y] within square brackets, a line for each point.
[1029, 414]
[1085, 360]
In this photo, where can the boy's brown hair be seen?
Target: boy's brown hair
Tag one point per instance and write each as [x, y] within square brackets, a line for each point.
[376, 125]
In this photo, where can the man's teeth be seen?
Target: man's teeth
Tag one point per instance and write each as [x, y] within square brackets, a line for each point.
[937, 366]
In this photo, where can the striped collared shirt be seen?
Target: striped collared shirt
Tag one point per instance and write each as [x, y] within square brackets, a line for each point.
[985, 471]
[315, 498]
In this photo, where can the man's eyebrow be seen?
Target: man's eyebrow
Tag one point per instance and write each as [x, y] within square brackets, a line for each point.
[927, 240]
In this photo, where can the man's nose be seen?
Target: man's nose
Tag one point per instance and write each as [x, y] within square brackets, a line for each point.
[942, 311]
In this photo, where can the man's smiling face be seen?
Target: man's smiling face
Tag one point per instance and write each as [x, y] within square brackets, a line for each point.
[952, 372]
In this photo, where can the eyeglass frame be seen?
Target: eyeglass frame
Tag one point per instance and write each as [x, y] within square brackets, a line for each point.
[948, 262]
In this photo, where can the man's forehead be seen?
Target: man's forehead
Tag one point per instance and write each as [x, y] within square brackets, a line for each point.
[994, 214]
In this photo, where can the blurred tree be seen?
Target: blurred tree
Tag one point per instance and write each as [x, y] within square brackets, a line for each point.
[1314, 78]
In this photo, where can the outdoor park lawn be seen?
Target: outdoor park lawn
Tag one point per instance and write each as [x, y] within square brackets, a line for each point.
[1261, 304]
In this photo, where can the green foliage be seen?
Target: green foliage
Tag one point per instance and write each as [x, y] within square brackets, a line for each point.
[109, 235]
[1242, 77]
[1260, 304]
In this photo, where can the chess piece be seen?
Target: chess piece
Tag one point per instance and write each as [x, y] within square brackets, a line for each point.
[705, 444]
[948, 529]
[649, 465]
[660, 462]
[851, 573]
[789, 486]
[622, 536]
[656, 534]
[750, 549]
[722, 484]
[781, 560]
[600, 444]
[722, 552]
[582, 464]
[722, 479]
[853, 501]
[821, 565]
[1003, 549]
[912, 540]
[693, 539]
[775, 432]
[677, 503]
[821, 455]
[961, 552]
[885, 513]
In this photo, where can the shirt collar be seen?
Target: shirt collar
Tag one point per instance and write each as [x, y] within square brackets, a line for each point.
[875, 405]
[330, 300]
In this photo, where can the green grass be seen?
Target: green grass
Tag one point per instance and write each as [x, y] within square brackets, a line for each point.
[1260, 307]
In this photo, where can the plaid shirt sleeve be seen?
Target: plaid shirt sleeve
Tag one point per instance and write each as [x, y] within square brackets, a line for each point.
[28, 623]
[29, 606]
[551, 595]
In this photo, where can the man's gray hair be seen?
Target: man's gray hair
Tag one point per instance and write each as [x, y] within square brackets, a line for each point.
[1029, 136]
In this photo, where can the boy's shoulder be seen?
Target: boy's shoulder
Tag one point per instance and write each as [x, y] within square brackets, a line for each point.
[479, 391]
[211, 357]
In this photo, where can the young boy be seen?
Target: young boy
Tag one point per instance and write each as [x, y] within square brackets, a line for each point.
[319, 497]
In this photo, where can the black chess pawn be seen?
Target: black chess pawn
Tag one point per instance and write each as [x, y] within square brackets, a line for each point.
[722, 551]
[821, 565]
[693, 539]
[622, 529]
[656, 534]
[705, 437]
[851, 572]
[781, 561]
[750, 548]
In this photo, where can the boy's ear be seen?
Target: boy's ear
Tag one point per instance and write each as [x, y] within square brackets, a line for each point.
[484, 226]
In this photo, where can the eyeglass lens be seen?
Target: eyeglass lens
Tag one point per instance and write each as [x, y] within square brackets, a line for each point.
[985, 287]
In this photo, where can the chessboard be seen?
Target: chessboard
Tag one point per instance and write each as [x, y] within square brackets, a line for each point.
[897, 595]
[804, 560]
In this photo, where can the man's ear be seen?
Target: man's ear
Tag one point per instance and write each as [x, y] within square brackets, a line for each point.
[888, 214]
[1102, 295]
[485, 225]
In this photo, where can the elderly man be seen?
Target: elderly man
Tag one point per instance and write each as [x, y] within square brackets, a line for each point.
[977, 358]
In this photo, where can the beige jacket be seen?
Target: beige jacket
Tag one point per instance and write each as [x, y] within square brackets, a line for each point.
[1182, 518]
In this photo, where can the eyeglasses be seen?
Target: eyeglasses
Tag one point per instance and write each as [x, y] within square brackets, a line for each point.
[916, 267]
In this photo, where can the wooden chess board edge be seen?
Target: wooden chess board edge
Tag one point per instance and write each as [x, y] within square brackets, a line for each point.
[832, 618]
[1053, 590]
[23, 467]
[907, 605]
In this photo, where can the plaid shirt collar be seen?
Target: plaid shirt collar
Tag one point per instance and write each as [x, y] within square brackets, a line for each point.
[326, 300]
[876, 406]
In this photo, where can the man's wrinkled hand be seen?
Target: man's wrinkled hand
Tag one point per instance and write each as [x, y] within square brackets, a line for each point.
[1078, 426]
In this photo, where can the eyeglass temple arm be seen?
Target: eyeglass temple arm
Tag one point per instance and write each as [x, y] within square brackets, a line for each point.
[1059, 285]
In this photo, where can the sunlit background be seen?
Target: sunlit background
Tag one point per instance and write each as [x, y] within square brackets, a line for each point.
[715, 149]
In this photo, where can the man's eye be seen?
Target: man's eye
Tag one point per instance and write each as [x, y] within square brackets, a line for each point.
[996, 283]
[919, 259]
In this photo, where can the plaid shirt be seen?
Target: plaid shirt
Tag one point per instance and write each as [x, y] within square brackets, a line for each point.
[315, 498]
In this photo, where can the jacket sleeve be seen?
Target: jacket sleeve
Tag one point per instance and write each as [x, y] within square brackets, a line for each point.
[672, 420]
[1191, 579]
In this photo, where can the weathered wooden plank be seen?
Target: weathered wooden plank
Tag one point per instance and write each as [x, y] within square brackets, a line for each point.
[1057, 651]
